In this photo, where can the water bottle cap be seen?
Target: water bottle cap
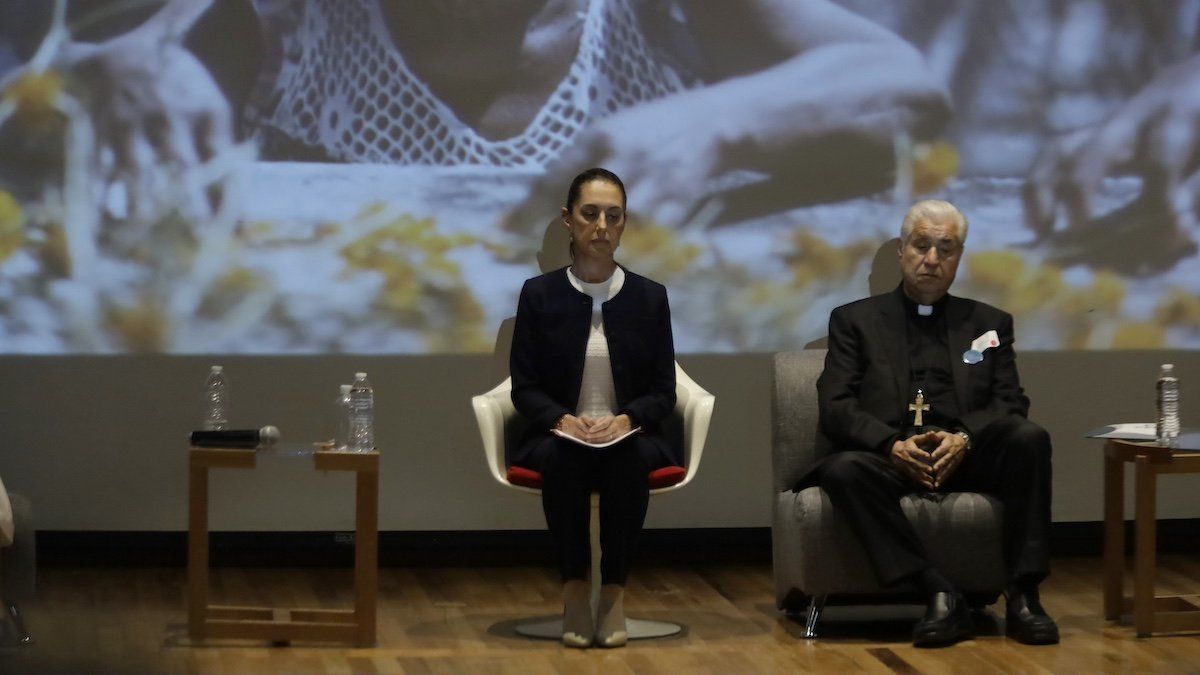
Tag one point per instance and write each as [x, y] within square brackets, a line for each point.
[360, 376]
[346, 388]
[217, 369]
[1168, 366]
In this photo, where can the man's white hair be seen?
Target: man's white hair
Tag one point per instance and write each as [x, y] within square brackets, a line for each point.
[934, 211]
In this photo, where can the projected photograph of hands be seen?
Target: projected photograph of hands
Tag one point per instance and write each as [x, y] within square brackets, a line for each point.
[380, 176]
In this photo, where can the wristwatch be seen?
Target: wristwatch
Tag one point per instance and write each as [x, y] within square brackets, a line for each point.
[966, 438]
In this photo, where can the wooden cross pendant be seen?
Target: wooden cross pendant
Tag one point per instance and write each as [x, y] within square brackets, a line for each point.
[919, 406]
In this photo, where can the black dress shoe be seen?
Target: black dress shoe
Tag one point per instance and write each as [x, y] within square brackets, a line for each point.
[947, 620]
[1027, 622]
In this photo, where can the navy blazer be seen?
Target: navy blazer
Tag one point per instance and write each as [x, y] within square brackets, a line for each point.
[550, 343]
[863, 390]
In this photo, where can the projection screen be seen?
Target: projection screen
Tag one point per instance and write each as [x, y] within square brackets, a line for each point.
[380, 176]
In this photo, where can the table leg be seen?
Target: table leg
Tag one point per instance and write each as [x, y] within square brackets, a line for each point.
[1114, 536]
[197, 549]
[1145, 484]
[366, 554]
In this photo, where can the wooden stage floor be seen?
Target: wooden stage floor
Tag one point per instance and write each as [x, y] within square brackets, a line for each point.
[460, 620]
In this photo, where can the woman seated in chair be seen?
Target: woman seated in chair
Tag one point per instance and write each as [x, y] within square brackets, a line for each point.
[593, 358]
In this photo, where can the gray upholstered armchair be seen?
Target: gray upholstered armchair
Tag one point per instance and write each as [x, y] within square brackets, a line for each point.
[815, 556]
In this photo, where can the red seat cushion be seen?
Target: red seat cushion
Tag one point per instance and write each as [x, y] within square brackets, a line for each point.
[666, 476]
[519, 475]
[659, 478]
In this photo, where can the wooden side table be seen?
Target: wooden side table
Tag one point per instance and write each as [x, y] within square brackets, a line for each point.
[1151, 613]
[266, 623]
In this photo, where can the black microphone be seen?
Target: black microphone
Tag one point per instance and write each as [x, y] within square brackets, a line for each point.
[235, 438]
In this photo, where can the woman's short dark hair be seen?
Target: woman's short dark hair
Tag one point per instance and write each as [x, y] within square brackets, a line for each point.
[595, 173]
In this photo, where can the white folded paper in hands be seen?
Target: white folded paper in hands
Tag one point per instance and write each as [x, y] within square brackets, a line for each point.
[605, 444]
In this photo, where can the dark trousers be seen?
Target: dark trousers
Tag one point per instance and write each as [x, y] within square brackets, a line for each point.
[570, 472]
[1010, 460]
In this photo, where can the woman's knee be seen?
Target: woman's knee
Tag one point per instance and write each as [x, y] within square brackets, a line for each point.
[623, 462]
[565, 458]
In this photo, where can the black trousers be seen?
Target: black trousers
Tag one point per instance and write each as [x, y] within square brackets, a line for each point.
[570, 472]
[1010, 460]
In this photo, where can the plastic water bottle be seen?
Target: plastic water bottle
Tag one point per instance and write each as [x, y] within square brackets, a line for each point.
[215, 400]
[342, 408]
[1168, 406]
[362, 415]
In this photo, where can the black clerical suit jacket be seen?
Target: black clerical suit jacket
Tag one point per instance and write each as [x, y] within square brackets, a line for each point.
[550, 343]
[864, 391]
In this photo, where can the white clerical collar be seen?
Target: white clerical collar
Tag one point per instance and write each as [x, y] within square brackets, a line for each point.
[925, 310]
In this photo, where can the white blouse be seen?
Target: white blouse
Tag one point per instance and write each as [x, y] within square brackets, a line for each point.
[597, 393]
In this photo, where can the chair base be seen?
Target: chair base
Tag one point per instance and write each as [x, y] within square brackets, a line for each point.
[16, 624]
[638, 629]
[812, 616]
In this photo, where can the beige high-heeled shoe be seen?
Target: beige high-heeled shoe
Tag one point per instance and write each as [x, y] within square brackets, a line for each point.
[611, 631]
[578, 625]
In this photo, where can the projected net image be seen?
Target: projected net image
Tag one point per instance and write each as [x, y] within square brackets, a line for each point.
[380, 176]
